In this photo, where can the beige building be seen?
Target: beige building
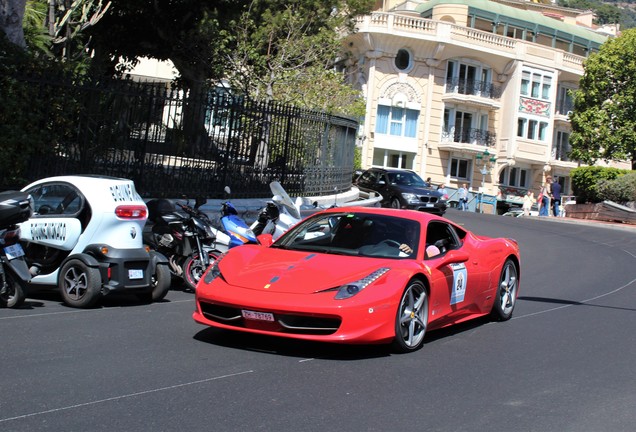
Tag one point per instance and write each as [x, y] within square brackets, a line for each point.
[471, 91]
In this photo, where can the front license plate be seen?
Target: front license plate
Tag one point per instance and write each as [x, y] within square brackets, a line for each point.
[259, 316]
[429, 205]
[14, 251]
[135, 274]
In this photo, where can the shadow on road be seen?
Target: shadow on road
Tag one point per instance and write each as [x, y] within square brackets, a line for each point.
[323, 350]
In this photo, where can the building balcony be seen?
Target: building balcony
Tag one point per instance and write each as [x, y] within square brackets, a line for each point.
[473, 88]
[559, 158]
[443, 33]
[473, 93]
[467, 139]
[563, 111]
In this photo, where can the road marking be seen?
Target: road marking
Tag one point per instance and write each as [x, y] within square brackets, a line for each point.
[578, 302]
[115, 398]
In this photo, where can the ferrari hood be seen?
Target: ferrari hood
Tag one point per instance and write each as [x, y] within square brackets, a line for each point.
[294, 272]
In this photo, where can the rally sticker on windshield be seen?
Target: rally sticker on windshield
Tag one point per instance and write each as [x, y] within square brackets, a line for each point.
[460, 276]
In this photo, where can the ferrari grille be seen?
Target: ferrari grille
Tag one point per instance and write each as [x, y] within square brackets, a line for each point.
[283, 322]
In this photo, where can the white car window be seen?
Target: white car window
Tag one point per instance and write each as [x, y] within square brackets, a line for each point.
[56, 199]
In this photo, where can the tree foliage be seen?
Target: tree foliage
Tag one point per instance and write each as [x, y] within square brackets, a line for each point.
[31, 118]
[287, 52]
[621, 190]
[604, 116]
[266, 49]
[605, 12]
[586, 181]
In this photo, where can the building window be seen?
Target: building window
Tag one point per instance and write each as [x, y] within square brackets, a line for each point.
[403, 60]
[531, 129]
[396, 121]
[536, 84]
[565, 104]
[469, 79]
[561, 147]
[460, 168]
[393, 159]
[514, 177]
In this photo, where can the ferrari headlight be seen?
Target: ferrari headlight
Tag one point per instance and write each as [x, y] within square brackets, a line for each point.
[409, 196]
[214, 271]
[349, 290]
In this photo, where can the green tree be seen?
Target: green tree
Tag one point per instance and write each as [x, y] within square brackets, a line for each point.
[271, 50]
[287, 52]
[604, 116]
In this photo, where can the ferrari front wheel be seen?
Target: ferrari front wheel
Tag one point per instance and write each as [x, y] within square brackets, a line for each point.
[506, 295]
[411, 319]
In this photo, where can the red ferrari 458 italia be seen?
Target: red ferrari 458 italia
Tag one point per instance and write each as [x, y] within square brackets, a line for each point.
[361, 275]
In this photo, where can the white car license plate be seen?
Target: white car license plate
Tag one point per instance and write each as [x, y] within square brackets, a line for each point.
[259, 316]
[429, 205]
[135, 274]
[14, 251]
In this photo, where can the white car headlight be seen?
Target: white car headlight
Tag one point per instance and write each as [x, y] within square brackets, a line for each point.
[349, 290]
[409, 196]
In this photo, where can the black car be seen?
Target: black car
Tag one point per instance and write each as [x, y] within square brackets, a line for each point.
[402, 189]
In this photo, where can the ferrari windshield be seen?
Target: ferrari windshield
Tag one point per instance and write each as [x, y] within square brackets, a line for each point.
[361, 234]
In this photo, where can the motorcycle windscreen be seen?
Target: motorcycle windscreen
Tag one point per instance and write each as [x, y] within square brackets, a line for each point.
[277, 189]
[59, 233]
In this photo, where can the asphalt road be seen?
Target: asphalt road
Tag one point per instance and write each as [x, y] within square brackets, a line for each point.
[564, 362]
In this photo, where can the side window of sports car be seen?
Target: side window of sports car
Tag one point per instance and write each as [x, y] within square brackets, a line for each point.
[440, 238]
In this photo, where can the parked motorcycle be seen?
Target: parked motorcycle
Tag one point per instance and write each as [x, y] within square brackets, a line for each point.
[236, 228]
[278, 215]
[15, 207]
[185, 236]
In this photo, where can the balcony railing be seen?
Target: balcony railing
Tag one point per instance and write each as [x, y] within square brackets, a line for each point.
[473, 88]
[469, 136]
[561, 154]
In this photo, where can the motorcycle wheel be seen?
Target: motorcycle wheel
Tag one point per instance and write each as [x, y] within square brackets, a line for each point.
[193, 268]
[11, 293]
[160, 281]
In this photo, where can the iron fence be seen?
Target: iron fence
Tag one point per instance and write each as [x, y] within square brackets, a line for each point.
[174, 142]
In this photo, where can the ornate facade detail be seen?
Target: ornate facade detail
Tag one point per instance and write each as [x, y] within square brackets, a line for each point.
[405, 89]
[533, 106]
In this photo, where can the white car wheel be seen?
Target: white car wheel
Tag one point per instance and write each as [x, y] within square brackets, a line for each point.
[79, 284]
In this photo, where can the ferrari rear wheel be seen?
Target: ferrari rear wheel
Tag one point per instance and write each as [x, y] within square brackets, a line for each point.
[411, 319]
[506, 296]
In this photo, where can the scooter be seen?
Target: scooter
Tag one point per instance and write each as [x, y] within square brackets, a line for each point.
[278, 215]
[15, 207]
[185, 237]
[238, 231]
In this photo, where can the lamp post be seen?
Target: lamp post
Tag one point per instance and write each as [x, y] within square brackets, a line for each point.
[486, 162]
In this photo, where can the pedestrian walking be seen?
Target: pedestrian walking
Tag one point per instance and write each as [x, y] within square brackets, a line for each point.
[556, 197]
[528, 202]
[544, 197]
[462, 196]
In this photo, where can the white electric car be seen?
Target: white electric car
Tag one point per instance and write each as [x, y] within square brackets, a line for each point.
[85, 237]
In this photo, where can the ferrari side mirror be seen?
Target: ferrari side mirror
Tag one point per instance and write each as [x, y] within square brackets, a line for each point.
[265, 240]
